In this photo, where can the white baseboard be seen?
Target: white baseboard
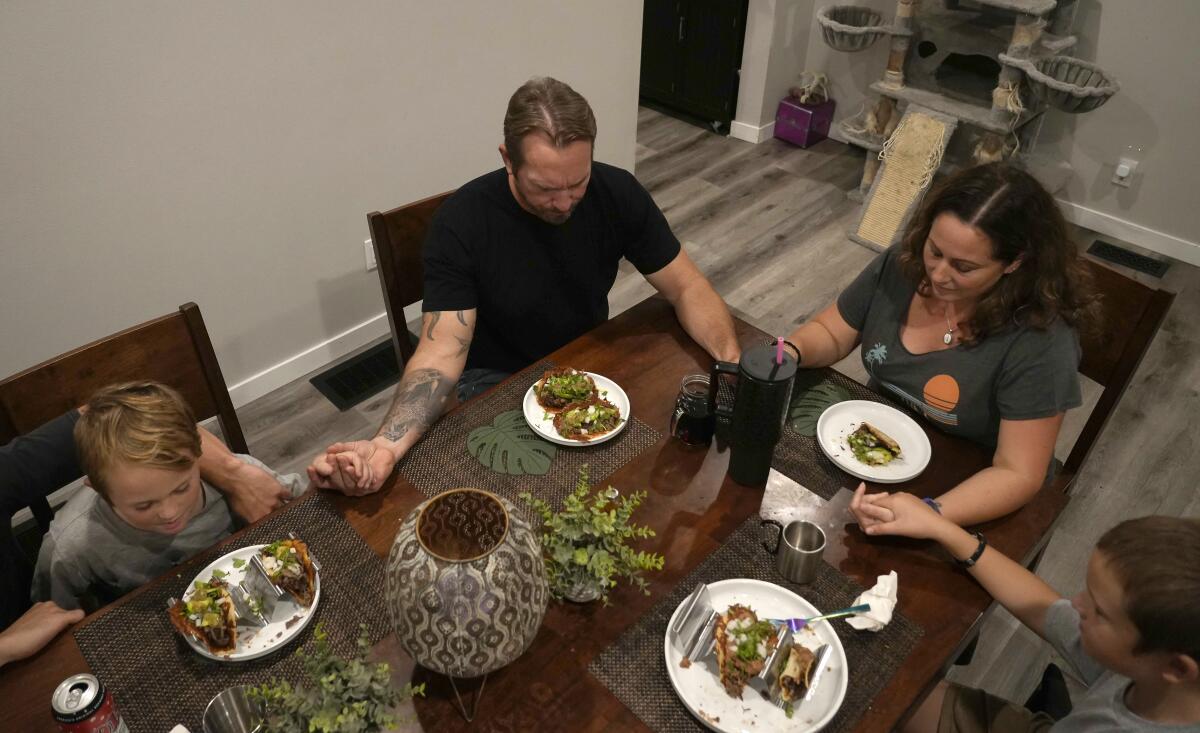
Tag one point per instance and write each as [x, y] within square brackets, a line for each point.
[324, 353]
[751, 133]
[1127, 231]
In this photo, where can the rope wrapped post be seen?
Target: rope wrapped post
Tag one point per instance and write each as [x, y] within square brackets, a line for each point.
[1006, 102]
[893, 75]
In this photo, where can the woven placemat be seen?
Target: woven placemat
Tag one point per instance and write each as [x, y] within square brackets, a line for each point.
[159, 681]
[634, 670]
[440, 461]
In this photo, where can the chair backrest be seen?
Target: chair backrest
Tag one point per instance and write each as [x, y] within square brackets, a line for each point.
[1131, 314]
[397, 236]
[173, 349]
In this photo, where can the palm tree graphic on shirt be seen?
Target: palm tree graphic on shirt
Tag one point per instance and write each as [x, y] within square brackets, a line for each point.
[876, 355]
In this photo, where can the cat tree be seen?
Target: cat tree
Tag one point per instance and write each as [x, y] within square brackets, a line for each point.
[967, 81]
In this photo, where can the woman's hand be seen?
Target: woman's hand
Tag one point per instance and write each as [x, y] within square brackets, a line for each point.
[896, 514]
[34, 630]
[866, 509]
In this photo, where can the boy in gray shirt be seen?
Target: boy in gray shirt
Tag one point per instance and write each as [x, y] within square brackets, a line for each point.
[146, 509]
[1132, 634]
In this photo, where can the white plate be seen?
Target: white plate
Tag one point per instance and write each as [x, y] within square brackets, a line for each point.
[535, 414]
[699, 686]
[253, 642]
[837, 422]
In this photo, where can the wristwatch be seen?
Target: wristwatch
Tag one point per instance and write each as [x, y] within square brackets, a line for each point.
[974, 558]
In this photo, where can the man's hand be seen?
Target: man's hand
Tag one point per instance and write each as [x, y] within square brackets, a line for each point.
[34, 630]
[355, 469]
[253, 493]
[899, 514]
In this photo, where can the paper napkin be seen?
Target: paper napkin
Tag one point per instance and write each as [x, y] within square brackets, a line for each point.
[882, 598]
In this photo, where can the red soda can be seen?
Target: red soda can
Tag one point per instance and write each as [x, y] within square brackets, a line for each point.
[82, 705]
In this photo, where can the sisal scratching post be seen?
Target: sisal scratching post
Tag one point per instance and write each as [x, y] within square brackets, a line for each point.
[910, 158]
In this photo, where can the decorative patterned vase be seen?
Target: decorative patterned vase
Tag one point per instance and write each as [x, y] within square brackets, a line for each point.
[466, 584]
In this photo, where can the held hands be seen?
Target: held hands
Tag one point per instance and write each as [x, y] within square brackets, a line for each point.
[899, 514]
[355, 469]
[34, 630]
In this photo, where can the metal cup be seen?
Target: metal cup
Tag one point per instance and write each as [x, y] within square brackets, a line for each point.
[798, 549]
[232, 711]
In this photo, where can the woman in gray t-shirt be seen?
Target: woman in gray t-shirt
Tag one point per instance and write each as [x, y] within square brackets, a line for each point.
[971, 321]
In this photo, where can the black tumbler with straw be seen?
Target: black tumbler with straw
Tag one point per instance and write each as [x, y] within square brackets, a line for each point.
[765, 376]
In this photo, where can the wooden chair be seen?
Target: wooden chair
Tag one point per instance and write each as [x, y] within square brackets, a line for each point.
[173, 349]
[397, 236]
[1131, 314]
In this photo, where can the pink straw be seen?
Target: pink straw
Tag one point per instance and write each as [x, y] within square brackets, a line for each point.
[779, 351]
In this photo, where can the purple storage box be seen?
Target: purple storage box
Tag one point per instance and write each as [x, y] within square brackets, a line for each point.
[803, 124]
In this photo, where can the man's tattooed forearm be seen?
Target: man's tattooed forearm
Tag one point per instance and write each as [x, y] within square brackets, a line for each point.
[420, 398]
[461, 318]
[433, 319]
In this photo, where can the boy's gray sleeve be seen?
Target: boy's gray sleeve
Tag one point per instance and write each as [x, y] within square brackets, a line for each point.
[58, 576]
[1062, 631]
[292, 481]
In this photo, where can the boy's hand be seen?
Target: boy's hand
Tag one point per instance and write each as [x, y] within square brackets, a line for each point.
[355, 469]
[34, 630]
[898, 514]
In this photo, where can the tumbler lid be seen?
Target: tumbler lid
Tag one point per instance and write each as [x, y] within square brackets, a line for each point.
[759, 363]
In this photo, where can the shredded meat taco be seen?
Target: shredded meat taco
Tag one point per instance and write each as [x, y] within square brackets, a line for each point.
[743, 645]
[288, 566]
[587, 419]
[560, 387]
[207, 614]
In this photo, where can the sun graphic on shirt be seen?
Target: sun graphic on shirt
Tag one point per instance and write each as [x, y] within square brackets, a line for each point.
[941, 393]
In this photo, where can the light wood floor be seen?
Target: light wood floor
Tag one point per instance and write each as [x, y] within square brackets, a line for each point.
[767, 224]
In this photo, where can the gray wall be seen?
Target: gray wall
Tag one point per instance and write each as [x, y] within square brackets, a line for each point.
[774, 53]
[227, 152]
[1151, 48]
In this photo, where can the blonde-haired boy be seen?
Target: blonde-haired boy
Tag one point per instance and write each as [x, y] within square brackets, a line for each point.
[147, 508]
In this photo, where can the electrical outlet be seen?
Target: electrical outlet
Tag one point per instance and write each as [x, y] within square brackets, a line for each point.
[369, 254]
[1124, 171]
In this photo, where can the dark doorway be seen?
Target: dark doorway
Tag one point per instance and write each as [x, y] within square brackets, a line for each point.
[692, 55]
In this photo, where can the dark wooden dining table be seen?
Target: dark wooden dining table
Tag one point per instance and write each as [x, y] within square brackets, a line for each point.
[693, 506]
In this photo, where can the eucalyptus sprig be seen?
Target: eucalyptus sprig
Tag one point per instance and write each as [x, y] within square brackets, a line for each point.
[588, 539]
[337, 696]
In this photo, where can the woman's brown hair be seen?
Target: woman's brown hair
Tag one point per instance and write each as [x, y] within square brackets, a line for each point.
[1023, 223]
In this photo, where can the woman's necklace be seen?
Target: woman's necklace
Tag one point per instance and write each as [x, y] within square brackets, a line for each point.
[950, 328]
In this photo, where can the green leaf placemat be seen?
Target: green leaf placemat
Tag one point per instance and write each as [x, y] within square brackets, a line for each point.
[810, 400]
[509, 446]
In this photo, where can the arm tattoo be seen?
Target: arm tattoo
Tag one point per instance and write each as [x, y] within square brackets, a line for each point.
[420, 397]
[461, 318]
[433, 319]
[464, 345]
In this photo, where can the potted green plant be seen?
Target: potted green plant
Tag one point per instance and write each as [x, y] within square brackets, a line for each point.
[586, 544]
[337, 696]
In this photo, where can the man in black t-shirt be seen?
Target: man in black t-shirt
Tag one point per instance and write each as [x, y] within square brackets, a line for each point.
[518, 263]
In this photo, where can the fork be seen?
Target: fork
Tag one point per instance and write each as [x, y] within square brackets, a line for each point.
[795, 624]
